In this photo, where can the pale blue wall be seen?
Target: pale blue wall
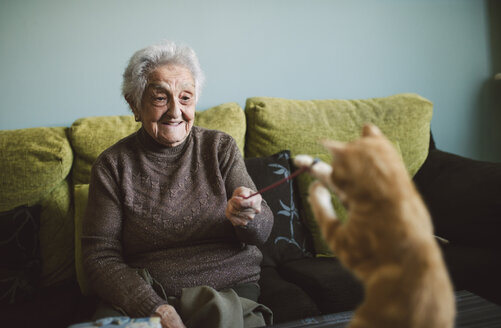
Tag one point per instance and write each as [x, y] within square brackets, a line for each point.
[63, 59]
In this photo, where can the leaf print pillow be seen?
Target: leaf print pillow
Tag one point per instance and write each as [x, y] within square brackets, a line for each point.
[289, 238]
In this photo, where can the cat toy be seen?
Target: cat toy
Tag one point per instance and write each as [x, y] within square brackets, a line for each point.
[279, 182]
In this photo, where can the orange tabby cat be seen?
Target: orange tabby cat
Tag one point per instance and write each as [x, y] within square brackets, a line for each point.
[388, 240]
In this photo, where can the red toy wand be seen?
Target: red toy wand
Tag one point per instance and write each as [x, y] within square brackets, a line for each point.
[279, 182]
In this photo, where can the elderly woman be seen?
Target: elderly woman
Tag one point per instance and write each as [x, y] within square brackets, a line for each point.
[167, 227]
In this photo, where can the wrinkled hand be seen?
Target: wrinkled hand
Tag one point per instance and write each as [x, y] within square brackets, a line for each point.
[169, 318]
[241, 211]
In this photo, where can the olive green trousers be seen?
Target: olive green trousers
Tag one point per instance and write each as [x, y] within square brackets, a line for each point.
[205, 307]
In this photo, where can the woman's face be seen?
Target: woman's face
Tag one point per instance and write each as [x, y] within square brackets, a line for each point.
[168, 104]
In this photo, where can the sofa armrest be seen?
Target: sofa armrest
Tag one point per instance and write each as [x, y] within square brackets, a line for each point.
[463, 197]
[475, 269]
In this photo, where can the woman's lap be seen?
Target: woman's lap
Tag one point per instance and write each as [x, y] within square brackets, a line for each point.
[205, 307]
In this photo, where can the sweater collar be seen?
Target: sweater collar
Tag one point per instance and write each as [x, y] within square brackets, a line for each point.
[154, 146]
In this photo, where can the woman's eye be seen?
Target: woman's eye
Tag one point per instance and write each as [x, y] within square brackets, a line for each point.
[159, 100]
[185, 98]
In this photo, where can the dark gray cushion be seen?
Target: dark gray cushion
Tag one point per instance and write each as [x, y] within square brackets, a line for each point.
[19, 254]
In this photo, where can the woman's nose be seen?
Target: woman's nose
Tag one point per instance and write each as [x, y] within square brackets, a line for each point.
[174, 110]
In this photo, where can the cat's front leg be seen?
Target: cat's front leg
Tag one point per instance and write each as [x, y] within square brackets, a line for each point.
[320, 170]
[321, 204]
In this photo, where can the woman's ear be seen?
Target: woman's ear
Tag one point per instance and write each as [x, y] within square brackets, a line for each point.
[137, 114]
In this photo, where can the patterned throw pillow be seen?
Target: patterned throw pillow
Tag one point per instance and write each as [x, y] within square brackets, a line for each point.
[20, 253]
[288, 239]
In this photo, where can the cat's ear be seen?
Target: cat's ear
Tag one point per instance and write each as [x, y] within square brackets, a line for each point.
[335, 147]
[370, 130]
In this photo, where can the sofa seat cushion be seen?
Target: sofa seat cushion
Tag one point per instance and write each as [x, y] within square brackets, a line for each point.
[332, 287]
[274, 124]
[288, 301]
[89, 136]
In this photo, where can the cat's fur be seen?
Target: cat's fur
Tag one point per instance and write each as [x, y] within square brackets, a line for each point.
[387, 241]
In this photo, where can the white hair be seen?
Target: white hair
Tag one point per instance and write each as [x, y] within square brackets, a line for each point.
[144, 61]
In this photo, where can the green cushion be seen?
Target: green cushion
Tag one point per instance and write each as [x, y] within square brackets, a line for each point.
[91, 135]
[34, 161]
[276, 124]
[81, 193]
[228, 117]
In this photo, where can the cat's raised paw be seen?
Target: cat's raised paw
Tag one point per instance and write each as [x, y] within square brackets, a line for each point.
[303, 160]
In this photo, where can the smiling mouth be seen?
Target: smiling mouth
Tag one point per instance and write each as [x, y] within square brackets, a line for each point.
[172, 123]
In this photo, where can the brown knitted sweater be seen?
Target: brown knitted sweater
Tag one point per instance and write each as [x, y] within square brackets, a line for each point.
[162, 209]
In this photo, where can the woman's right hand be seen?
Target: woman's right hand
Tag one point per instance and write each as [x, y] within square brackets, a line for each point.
[240, 210]
[169, 318]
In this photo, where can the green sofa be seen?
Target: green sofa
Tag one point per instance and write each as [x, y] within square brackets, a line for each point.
[44, 176]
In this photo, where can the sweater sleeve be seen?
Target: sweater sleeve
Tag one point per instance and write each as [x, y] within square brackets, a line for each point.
[235, 175]
[108, 274]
